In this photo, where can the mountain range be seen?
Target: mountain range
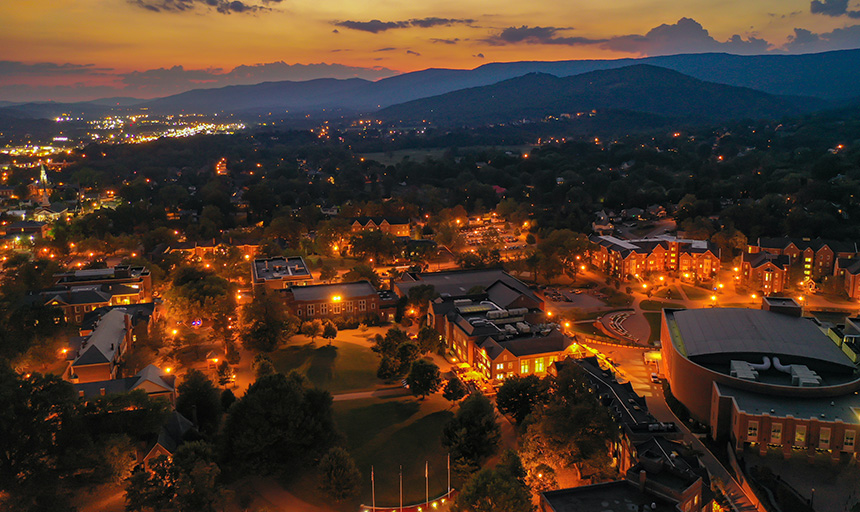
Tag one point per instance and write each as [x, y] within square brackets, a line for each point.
[830, 78]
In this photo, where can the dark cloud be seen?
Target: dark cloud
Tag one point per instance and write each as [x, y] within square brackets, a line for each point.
[389, 49]
[10, 68]
[410, 52]
[445, 41]
[685, 36]
[832, 8]
[537, 35]
[222, 6]
[377, 26]
[479, 55]
[805, 41]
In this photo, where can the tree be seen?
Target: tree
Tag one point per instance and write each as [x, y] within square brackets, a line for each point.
[267, 323]
[429, 340]
[421, 295]
[341, 478]
[518, 396]
[225, 373]
[262, 365]
[199, 400]
[407, 353]
[500, 488]
[327, 273]
[453, 390]
[312, 328]
[472, 434]
[423, 378]
[572, 429]
[227, 399]
[118, 455]
[279, 424]
[362, 272]
[329, 331]
[186, 483]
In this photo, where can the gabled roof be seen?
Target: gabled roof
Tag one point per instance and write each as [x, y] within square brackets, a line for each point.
[151, 379]
[807, 243]
[378, 220]
[763, 258]
[105, 340]
[173, 431]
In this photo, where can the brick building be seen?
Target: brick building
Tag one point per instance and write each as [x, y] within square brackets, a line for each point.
[339, 300]
[390, 225]
[131, 276]
[817, 256]
[765, 272]
[627, 259]
[279, 273]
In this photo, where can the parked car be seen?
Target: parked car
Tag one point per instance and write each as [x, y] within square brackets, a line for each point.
[655, 378]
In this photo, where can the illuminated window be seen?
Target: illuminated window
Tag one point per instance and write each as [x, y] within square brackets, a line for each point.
[824, 439]
[539, 365]
[799, 435]
[752, 431]
[524, 366]
[776, 433]
[849, 440]
[500, 366]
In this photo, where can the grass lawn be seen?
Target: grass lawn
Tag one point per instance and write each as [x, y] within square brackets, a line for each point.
[386, 434]
[615, 298]
[696, 293]
[657, 305]
[668, 292]
[586, 328]
[338, 368]
[654, 320]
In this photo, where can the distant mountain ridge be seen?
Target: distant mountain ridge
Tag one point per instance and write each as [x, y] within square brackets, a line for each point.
[831, 75]
[639, 88]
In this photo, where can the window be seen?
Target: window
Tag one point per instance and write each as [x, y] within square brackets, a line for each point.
[510, 366]
[323, 309]
[372, 305]
[776, 433]
[524, 366]
[299, 311]
[335, 308]
[848, 444]
[500, 366]
[800, 435]
[539, 365]
[349, 307]
[752, 431]
[807, 260]
[362, 305]
[311, 311]
[824, 439]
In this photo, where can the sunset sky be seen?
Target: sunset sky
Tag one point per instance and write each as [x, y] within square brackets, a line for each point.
[66, 50]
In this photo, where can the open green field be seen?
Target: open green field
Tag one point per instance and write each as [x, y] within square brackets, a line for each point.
[616, 298]
[668, 292]
[654, 320]
[657, 305]
[696, 293]
[338, 368]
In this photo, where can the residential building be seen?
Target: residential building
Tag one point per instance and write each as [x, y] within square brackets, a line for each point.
[279, 273]
[817, 256]
[763, 378]
[357, 300]
[76, 301]
[697, 260]
[848, 269]
[153, 380]
[95, 357]
[132, 276]
[765, 272]
[28, 228]
[390, 225]
[176, 430]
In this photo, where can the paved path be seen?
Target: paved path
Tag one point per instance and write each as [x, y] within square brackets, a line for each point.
[740, 501]
[378, 393]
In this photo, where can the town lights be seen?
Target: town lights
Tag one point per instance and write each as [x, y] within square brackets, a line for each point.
[336, 298]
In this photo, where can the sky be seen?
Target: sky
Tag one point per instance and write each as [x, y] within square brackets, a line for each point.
[72, 50]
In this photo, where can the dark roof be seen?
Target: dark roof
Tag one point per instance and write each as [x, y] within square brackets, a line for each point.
[850, 265]
[555, 341]
[325, 292]
[378, 220]
[173, 431]
[648, 245]
[456, 283]
[762, 258]
[807, 243]
[280, 268]
[619, 496]
[137, 312]
[151, 374]
[736, 331]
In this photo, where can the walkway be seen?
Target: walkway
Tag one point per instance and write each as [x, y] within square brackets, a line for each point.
[740, 501]
[378, 393]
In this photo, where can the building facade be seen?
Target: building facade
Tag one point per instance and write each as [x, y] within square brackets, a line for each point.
[394, 226]
[339, 300]
[629, 259]
[765, 272]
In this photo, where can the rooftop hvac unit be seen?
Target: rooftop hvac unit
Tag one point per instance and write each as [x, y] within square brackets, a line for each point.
[462, 302]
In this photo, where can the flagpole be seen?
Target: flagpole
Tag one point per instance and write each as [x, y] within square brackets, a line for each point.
[401, 488]
[427, 482]
[449, 472]
[373, 488]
